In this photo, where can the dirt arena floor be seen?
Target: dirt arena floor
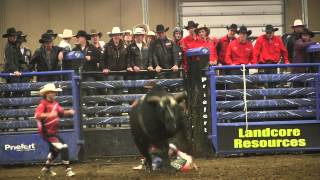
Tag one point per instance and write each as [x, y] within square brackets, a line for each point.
[300, 166]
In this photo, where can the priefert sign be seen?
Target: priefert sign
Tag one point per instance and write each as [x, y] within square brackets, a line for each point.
[20, 147]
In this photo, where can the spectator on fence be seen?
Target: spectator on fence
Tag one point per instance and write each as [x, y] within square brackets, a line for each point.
[127, 37]
[177, 37]
[92, 57]
[187, 41]
[115, 57]
[25, 51]
[139, 56]
[47, 58]
[301, 56]
[165, 53]
[297, 27]
[151, 37]
[66, 37]
[204, 40]
[240, 51]
[269, 49]
[48, 114]
[96, 40]
[14, 60]
[52, 34]
[224, 42]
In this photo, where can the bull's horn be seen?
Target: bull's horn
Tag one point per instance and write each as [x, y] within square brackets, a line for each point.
[180, 96]
[153, 99]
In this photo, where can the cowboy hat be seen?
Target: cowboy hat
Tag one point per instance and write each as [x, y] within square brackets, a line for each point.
[191, 24]
[50, 87]
[151, 33]
[269, 28]
[50, 32]
[243, 29]
[95, 32]
[143, 26]
[114, 31]
[45, 38]
[21, 37]
[297, 22]
[67, 33]
[307, 31]
[139, 31]
[160, 28]
[82, 33]
[200, 27]
[232, 27]
[128, 31]
[10, 32]
[178, 29]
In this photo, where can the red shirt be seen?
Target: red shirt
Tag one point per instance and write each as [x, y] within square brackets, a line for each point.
[48, 126]
[187, 42]
[239, 53]
[269, 51]
[223, 44]
[211, 44]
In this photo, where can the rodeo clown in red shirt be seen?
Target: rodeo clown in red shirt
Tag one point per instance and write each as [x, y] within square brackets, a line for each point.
[48, 114]
[240, 50]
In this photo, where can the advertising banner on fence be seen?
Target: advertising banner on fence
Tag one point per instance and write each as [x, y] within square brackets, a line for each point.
[271, 137]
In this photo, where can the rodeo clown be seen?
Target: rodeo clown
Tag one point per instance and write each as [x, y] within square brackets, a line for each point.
[48, 114]
[179, 160]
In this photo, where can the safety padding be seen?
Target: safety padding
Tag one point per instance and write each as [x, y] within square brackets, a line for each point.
[201, 51]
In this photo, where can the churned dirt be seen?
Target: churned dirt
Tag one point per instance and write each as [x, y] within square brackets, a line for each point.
[291, 166]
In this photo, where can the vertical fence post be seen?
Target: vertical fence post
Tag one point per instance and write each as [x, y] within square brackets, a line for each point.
[214, 116]
[317, 92]
[77, 119]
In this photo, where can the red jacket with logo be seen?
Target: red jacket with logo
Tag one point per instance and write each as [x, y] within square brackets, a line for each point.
[186, 43]
[211, 44]
[239, 53]
[223, 45]
[269, 51]
[48, 127]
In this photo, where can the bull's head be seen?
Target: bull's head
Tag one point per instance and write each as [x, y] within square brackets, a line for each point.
[169, 109]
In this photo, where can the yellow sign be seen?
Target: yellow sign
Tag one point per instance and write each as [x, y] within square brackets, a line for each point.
[269, 138]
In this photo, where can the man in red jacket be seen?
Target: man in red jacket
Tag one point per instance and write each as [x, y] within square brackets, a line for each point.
[269, 48]
[224, 43]
[48, 114]
[203, 40]
[188, 41]
[240, 51]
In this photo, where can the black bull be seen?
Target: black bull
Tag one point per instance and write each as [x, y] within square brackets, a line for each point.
[156, 118]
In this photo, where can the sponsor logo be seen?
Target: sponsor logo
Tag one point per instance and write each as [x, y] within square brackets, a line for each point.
[20, 147]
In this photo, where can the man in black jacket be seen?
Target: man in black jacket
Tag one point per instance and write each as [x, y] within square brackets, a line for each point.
[92, 56]
[115, 56]
[165, 53]
[47, 58]
[14, 61]
[139, 57]
[297, 27]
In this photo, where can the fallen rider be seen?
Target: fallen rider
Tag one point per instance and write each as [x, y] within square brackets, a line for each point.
[178, 160]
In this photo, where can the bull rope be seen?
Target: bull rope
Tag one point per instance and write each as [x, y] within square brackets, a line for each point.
[245, 108]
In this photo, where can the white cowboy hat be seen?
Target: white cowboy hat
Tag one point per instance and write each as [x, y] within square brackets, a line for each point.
[297, 22]
[115, 30]
[50, 87]
[138, 31]
[128, 31]
[143, 26]
[151, 33]
[67, 33]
